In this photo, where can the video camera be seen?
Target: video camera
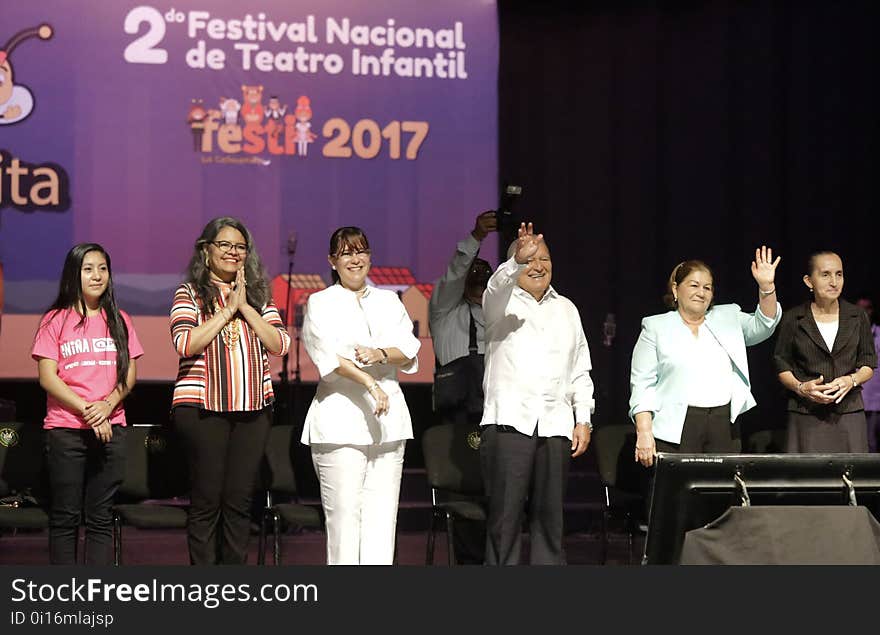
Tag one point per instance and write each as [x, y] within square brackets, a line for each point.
[504, 214]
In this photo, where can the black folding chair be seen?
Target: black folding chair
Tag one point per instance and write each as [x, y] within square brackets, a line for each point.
[452, 464]
[23, 481]
[152, 494]
[282, 499]
[621, 478]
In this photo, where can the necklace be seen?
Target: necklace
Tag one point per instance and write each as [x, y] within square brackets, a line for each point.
[231, 331]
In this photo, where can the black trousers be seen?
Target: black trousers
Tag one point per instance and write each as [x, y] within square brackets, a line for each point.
[225, 450]
[520, 469]
[705, 431]
[84, 474]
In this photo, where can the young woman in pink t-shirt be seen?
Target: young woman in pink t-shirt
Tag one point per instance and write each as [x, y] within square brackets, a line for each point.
[85, 349]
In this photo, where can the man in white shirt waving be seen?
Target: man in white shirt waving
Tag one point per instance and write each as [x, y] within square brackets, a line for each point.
[539, 402]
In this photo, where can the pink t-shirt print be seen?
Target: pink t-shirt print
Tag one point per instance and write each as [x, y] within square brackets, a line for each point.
[86, 357]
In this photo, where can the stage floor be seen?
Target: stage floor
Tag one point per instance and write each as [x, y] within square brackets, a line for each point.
[168, 547]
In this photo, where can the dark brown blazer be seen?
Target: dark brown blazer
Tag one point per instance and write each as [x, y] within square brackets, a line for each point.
[801, 349]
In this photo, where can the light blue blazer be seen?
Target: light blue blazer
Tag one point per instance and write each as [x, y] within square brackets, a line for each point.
[658, 375]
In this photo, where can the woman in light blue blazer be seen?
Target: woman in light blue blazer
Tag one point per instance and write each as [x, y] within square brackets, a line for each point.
[690, 374]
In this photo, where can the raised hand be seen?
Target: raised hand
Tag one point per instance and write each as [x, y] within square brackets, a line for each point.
[526, 243]
[484, 225]
[764, 268]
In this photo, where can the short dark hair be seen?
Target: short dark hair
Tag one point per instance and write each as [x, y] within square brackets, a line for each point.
[348, 236]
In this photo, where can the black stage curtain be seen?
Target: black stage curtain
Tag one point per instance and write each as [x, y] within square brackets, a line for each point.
[645, 133]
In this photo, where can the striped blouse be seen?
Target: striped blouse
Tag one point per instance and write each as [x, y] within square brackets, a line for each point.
[220, 378]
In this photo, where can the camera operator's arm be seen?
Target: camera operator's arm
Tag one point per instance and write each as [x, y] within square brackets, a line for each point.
[449, 289]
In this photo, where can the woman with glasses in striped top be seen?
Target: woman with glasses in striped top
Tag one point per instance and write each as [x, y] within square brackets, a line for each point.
[224, 325]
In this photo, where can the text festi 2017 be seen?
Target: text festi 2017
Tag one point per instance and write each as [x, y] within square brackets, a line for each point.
[365, 139]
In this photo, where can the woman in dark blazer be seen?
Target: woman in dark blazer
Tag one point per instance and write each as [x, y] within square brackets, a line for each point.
[824, 353]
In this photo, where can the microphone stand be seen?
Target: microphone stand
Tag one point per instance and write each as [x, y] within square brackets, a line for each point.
[285, 379]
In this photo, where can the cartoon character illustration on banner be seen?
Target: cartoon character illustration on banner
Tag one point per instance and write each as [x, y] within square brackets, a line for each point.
[304, 135]
[196, 120]
[275, 116]
[16, 100]
[252, 110]
[230, 108]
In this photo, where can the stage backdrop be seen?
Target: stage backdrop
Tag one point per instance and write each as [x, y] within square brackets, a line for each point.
[132, 125]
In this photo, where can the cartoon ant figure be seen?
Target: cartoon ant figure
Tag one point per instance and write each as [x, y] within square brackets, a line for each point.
[196, 120]
[16, 101]
[304, 135]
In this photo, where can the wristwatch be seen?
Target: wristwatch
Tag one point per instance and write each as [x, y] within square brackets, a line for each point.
[384, 359]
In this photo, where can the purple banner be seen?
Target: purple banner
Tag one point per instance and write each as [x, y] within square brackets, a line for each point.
[132, 125]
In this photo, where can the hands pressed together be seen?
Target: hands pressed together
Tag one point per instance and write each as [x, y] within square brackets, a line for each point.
[238, 296]
[824, 393]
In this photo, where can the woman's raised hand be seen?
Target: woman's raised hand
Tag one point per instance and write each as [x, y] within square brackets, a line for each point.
[764, 267]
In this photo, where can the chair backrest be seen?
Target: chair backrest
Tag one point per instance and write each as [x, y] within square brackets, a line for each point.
[155, 466]
[765, 442]
[614, 445]
[22, 459]
[452, 458]
[279, 476]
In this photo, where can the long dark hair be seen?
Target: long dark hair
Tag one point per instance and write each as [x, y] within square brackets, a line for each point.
[683, 270]
[70, 296]
[351, 237]
[199, 275]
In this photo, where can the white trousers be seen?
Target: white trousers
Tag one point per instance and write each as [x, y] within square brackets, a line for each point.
[360, 491]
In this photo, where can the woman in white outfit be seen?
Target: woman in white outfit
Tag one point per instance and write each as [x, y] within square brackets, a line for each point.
[358, 422]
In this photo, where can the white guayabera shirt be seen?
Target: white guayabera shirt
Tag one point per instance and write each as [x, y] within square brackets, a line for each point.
[537, 359]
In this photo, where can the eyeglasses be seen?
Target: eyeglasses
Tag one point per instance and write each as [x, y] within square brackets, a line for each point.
[225, 246]
[350, 254]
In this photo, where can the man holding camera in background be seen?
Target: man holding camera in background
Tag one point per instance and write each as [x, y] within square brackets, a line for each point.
[457, 329]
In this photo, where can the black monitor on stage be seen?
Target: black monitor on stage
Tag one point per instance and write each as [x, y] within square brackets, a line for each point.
[691, 490]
